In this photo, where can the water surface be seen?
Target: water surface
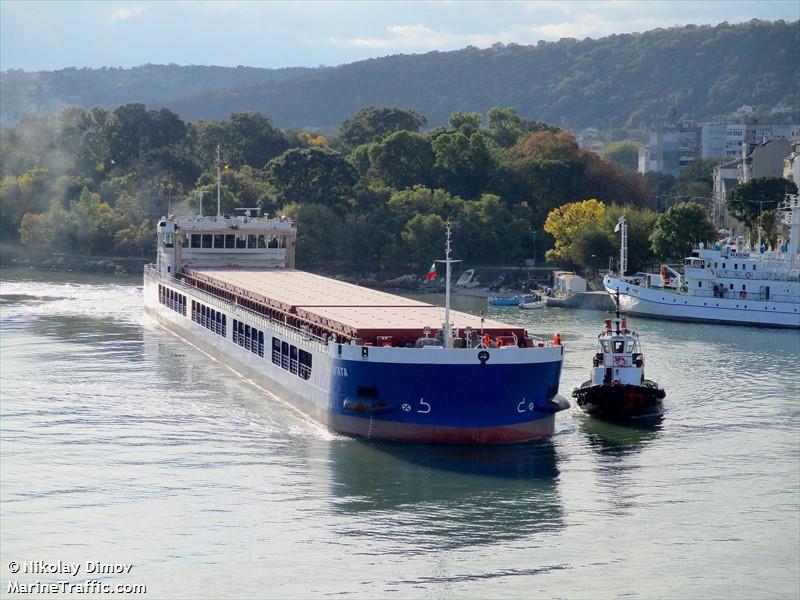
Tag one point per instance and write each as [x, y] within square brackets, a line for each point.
[120, 443]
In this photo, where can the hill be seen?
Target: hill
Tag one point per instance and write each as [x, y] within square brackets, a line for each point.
[617, 82]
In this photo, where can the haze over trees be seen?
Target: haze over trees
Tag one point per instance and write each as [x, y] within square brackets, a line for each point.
[620, 82]
[378, 196]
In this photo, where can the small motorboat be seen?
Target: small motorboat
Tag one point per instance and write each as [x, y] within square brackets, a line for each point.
[536, 301]
[617, 388]
[468, 279]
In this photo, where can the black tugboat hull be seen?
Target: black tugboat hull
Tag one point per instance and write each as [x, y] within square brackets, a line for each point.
[620, 401]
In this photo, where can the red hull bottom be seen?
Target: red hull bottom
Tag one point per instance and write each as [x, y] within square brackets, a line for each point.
[431, 434]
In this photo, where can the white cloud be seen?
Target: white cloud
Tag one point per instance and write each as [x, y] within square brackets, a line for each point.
[418, 36]
[594, 25]
[126, 12]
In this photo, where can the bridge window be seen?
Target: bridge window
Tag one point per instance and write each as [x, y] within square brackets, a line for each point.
[619, 345]
[230, 241]
[251, 241]
[195, 242]
[305, 364]
[262, 242]
[207, 240]
[276, 351]
[241, 241]
[285, 355]
[736, 266]
[219, 240]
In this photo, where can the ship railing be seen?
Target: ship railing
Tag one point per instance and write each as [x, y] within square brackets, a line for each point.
[753, 295]
[765, 275]
[287, 332]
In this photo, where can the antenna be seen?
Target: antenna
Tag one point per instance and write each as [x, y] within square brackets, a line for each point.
[201, 193]
[616, 303]
[219, 196]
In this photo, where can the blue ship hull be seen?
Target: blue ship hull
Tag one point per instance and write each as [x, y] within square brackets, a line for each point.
[445, 403]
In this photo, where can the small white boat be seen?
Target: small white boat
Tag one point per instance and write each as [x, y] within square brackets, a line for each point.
[533, 301]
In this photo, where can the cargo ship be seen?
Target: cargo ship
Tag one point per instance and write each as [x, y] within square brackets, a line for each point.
[361, 362]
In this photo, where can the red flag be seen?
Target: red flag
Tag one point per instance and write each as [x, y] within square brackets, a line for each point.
[431, 273]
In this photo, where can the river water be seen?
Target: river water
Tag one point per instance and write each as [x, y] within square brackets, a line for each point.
[121, 444]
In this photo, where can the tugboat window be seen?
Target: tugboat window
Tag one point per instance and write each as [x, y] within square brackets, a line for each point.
[618, 346]
[629, 346]
[604, 345]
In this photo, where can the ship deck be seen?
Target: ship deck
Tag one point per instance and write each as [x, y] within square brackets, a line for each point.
[333, 307]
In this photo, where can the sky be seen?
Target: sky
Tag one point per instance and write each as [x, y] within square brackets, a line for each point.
[49, 35]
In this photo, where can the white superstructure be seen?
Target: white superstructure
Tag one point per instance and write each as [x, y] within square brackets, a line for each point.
[726, 283]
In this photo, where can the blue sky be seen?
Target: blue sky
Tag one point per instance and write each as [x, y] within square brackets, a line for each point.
[36, 35]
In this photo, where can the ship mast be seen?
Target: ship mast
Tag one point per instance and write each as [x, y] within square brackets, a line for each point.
[219, 195]
[447, 261]
[791, 209]
[622, 227]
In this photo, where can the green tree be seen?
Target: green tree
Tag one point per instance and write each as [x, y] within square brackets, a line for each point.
[312, 176]
[465, 123]
[565, 222]
[423, 237]
[623, 154]
[488, 232]
[245, 139]
[406, 204]
[464, 164]
[402, 159]
[505, 126]
[373, 123]
[697, 179]
[679, 229]
[748, 201]
[321, 234]
[591, 247]
[28, 193]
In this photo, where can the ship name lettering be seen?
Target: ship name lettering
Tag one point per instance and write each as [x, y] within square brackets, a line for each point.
[341, 371]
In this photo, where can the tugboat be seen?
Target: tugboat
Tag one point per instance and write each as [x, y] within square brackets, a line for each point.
[617, 388]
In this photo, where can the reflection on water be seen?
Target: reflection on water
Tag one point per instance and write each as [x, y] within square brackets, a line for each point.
[622, 438]
[446, 496]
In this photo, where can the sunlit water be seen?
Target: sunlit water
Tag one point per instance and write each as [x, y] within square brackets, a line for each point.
[122, 444]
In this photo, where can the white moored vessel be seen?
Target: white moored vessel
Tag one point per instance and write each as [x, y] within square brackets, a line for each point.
[727, 283]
